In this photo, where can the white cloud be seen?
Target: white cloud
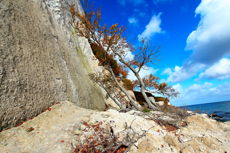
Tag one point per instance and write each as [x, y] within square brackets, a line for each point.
[132, 20]
[167, 71]
[141, 14]
[129, 55]
[220, 70]
[162, 80]
[160, 1]
[197, 93]
[144, 71]
[122, 2]
[198, 87]
[135, 2]
[184, 72]
[210, 41]
[213, 89]
[178, 88]
[137, 10]
[152, 27]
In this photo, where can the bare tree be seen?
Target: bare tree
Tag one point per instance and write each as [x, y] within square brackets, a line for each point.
[107, 83]
[114, 44]
[89, 26]
[145, 55]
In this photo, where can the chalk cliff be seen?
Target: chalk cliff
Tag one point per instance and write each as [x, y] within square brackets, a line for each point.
[41, 61]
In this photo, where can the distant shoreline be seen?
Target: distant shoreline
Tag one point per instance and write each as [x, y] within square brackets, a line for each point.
[218, 110]
[204, 103]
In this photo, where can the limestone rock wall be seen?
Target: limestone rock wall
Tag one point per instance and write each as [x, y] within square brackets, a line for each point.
[41, 62]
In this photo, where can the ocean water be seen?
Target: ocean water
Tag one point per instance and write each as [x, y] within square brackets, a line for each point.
[221, 109]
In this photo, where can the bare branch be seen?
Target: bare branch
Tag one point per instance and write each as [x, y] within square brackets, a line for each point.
[112, 42]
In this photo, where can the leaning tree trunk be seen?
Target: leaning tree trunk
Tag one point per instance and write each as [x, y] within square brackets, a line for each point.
[119, 104]
[99, 79]
[151, 105]
[122, 89]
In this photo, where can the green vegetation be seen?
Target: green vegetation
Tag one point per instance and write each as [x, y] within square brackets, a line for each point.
[128, 84]
[105, 58]
[110, 42]
[146, 110]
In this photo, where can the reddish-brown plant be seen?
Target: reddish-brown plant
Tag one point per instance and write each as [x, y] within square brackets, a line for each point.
[110, 43]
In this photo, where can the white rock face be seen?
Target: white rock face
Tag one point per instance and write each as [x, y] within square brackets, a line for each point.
[56, 8]
[41, 62]
[85, 47]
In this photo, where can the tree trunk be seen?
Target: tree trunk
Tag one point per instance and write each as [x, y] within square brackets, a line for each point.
[151, 105]
[120, 105]
[122, 89]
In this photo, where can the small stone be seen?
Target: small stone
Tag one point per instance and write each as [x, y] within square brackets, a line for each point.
[208, 141]
[83, 127]
[78, 132]
[226, 129]
[187, 149]
[85, 119]
[172, 140]
[145, 146]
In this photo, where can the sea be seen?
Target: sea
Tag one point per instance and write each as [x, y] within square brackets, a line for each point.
[220, 109]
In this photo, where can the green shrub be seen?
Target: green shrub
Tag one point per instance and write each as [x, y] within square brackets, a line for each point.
[128, 84]
[105, 58]
[146, 110]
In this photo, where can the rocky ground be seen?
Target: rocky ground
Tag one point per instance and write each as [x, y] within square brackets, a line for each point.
[220, 116]
[64, 125]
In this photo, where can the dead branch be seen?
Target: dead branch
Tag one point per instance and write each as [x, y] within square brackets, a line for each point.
[97, 139]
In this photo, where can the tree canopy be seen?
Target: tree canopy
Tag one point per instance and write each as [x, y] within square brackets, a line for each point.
[108, 44]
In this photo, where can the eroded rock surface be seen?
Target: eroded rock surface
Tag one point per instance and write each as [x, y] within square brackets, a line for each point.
[58, 127]
[41, 62]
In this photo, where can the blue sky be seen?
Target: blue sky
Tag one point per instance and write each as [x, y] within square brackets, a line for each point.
[195, 43]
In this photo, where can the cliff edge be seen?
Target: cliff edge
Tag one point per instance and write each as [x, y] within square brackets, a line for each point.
[41, 62]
